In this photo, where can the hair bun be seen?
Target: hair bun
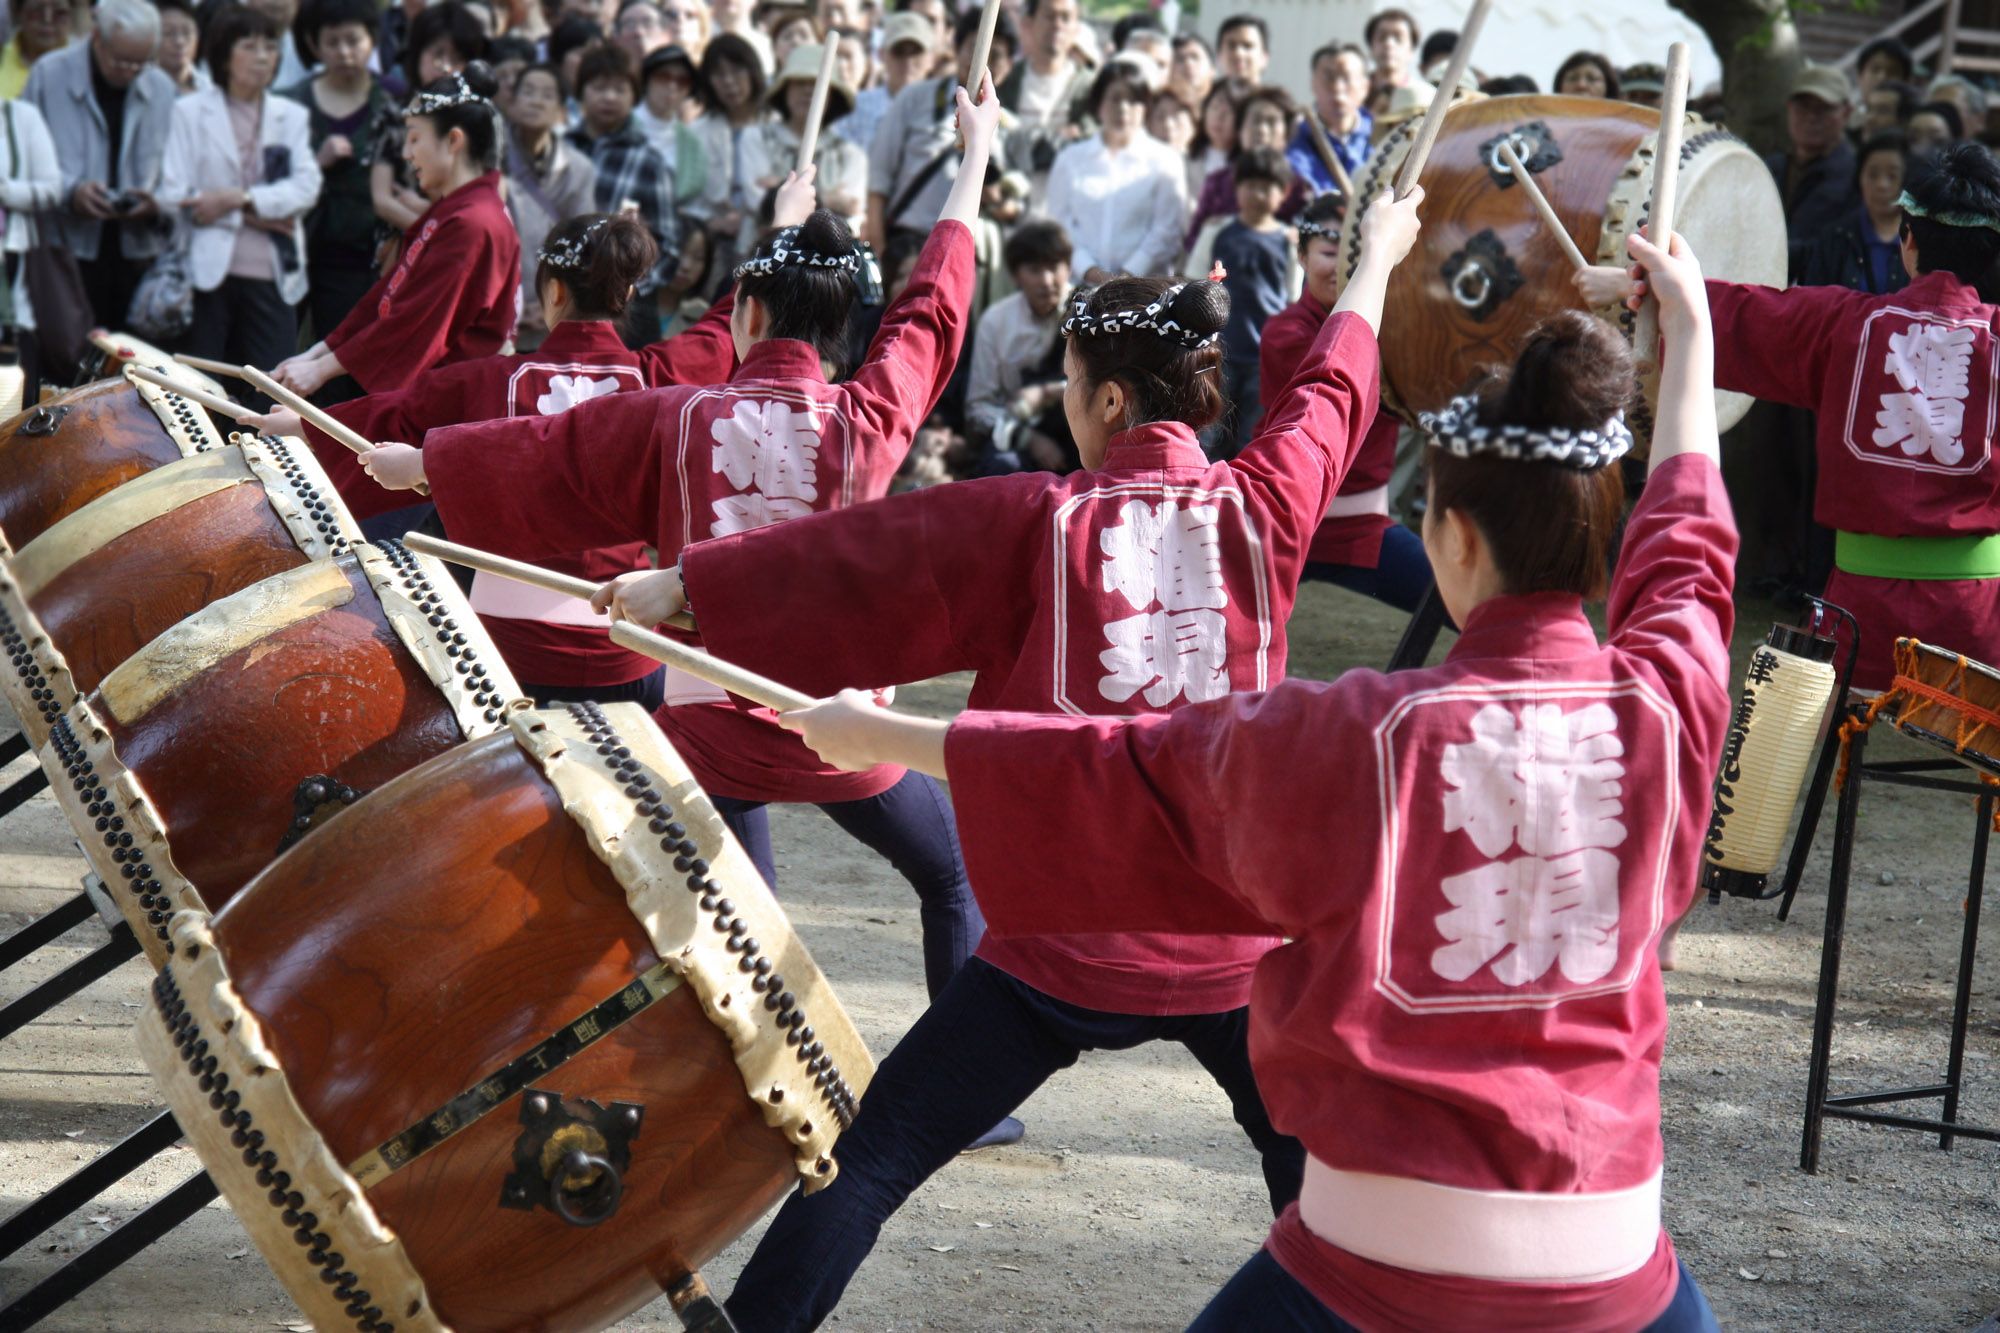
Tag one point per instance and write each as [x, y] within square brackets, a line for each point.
[1575, 372]
[479, 77]
[1202, 305]
[826, 233]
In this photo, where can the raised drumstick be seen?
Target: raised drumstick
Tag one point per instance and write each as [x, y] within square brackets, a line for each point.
[535, 576]
[203, 364]
[222, 407]
[1324, 147]
[1427, 133]
[1526, 181]
[714, 670]
[981, 49]
[334, 430]
[808, 141]
[1666, 182]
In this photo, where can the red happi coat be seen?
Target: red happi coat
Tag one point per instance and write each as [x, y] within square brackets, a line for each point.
[1351, 533]
[675, 465]
[1473, 865]
[453, 295]
[545, 639]
[1904, 386]
[1153, 581]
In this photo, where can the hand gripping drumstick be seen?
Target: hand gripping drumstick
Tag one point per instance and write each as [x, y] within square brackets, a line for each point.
[202, 363]
[714, 670]
[1666, 182]
[535, 576]
[1524, 179]
[222, 407]
[830, 51]
[338, 432]
[1427, 133]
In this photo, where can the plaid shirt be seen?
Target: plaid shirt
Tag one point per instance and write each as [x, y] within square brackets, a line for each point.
[629, 167]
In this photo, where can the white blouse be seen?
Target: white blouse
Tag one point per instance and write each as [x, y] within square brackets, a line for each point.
[1124, 210]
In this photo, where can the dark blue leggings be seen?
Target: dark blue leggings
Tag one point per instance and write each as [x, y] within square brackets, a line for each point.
[1400, 576]
[985, 1044]
[1265, 1297]
[911, 826]
[647, 691]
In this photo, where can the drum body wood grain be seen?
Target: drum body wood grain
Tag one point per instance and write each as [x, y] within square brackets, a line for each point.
[467, 949]
[108, 579]
[201, 756]
[57, 457]
[1487, 271]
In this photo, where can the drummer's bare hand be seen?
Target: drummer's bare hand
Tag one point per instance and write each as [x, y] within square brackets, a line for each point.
[796, 200]
[1673, 280]
[277, 421]
[853, 731]
[303, 374]
[646, 597]
[1389, 228]
[1602, 285]
[395, 467]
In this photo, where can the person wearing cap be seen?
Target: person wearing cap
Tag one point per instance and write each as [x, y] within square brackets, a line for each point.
[1643, 85]
[672, 83]
[908, 48]
[842, 181]
[1816, 178]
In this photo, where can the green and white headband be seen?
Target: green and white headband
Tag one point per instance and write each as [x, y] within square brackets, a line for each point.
[1917, 210]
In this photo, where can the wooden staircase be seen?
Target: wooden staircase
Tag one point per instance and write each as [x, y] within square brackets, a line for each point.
[1949, 36]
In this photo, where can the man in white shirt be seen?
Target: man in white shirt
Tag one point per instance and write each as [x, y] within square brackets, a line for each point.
[914, 158]
[1047, 89]
[1013, 401]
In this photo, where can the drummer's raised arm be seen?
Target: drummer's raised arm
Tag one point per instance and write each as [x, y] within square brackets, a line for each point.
[1684, 421]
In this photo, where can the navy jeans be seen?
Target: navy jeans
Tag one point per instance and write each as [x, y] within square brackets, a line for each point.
[1265, 1297]
[985, 1044]
[911, 826]
[1400, 576]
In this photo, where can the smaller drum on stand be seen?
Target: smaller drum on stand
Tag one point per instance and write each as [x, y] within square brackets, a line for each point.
[202, 756]
[518, 1042]
[108, 579]
[60, 455]
[1947, 700]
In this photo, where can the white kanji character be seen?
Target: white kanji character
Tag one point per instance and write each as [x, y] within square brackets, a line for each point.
[1166, 653]
[1563, 909]
[768, 448]
[1548, 780]
[1933, 363]
[566, 391]
[740, 513]
[1165, 554]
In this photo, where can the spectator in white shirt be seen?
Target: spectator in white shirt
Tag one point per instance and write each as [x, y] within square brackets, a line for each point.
[1013, 403]
[1120, 194]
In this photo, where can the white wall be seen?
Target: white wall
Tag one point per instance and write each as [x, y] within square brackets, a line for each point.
[1521, 36]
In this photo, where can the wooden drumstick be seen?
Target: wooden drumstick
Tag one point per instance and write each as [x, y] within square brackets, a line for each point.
[714, 670]
[1526, 181]
[207, 366]
[1324, 147]
[535, 576]
[1666, 181]
[809, 140]
[222, 407]
[1427, 133]
[316, 416]
[982, 47]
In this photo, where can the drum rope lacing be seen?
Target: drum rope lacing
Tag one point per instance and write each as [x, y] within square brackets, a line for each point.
[1904, 686]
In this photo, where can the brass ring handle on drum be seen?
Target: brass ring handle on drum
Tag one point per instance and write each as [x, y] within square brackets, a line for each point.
[1524, 148]
[1472, 285]
[44, 420]
[597, 1200]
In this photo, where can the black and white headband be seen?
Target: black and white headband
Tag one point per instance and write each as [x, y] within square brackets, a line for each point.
[423, 104]
[568, 253]
[1308, 230]
[1458, 430]
[1152, 318]
[782, 251]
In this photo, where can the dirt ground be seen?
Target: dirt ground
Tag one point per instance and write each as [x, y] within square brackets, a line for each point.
[1134, 1195]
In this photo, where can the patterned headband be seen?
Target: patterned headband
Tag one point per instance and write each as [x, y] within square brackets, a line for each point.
[423, 104]
[1458, 430]
[782, 251]
[1917, 210]
[1152, 318]
[1308, 230]
[568, 254]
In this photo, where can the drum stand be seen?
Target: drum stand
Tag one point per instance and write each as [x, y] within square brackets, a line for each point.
[1421, 634]
[1921, 773]
[101, 961]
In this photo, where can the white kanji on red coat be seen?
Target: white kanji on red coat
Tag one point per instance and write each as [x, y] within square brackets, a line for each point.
[769, 452]
[566, 391]
[1547, 781]
[1165, 561]
[1933, 365]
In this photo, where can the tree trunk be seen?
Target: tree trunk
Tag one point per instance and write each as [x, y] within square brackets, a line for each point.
[1759, 46]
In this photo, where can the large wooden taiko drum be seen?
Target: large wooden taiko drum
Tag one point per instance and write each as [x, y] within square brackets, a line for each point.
[1486, 270]
[111, 577]
[228, 738]
[57, 457]
[514, 1043]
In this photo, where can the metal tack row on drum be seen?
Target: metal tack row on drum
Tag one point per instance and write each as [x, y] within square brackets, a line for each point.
[446, 981]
